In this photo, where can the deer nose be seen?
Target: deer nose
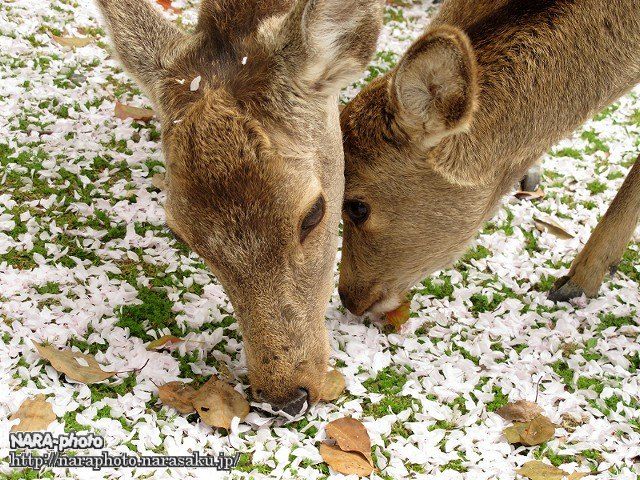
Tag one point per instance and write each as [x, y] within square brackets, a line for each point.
[358, 308]
[295, 406]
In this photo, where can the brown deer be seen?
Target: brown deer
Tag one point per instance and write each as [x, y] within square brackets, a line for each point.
[432, 146]
[248, 104]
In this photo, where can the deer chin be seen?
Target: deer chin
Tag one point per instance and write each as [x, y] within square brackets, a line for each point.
[386, 304]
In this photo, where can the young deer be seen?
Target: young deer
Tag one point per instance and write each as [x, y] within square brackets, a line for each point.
[432, 146]
[254, 159]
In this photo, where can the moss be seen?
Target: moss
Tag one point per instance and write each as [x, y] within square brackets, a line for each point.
[568, 152]
[545, 283]
[630, 263]
[26, 474]
[50, 288]
[561, 368]
[71, 424]
[597, 187]
[388, 381]
[500, 399]
[438, 288]
[595, 143]
[478, 253]
[100, 391]
[585, 383]
[154, 313]
[481, 303]
[456, 465]
[609, 320]
[615, 175]
[442, 425]
[389, 404]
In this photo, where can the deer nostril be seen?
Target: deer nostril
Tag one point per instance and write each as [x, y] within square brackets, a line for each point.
[295, 406]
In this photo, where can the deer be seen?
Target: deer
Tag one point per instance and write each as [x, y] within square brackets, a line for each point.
[432, 146]
[248, 106]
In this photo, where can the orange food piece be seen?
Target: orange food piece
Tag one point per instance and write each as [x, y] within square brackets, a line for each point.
[399, 316]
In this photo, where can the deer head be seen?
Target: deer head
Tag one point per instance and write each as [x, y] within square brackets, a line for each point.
[254, 159]
[412, 203]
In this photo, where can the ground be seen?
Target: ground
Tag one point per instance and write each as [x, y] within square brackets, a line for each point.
[86, 263]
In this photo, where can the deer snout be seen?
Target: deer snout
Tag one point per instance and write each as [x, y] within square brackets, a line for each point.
[294, 406]
[359, 301]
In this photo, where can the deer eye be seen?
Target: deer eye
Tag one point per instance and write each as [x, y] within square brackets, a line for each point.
[357, 211]
[313, 218]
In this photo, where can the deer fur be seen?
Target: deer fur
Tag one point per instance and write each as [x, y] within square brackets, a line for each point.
[251, 153]
[432, 146]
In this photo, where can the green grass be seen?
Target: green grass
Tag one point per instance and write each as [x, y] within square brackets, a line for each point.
[154, 313]
[609, 320]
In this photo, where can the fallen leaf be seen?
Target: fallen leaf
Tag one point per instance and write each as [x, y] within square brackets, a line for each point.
[74, 42]
[536, 470]
[520, 411]
[72, 364]
[224, 372]
[399, 316]
[35, 414]
[351, 436]
[524, 195]
[512, 435]
[123, 112]
[535, 432]
[162, 341]
[158, 181]
[166, 4]
[553, 227]
[334, 385]
[178, 395]
[218, 403]
[348, 463]
[577, 475]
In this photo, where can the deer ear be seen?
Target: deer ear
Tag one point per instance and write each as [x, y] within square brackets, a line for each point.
[145, 41]
[334, 41]
[435, 86]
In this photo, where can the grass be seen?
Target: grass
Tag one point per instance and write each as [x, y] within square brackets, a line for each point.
[450, 333]
[154, 313]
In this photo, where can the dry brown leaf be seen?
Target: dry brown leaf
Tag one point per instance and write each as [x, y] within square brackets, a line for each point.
[75, 365]
[535, 432]
[334, 385]
[178, 395]
[162, 341]
[123, 112]
[348, 463]
[35, 414]
[552, 226]
[399, 316]
[224, 372]
[74, 42]
[536, 470]
[577, 475]
[520, 411]
[524, 195]
[512, 435]
[351, 436]
[158, 181]
[217, 403]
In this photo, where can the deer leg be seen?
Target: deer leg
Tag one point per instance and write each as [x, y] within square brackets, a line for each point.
[607, 243]
[531, 180]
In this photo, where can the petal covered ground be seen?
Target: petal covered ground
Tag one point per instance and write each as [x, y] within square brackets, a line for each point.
[86, 263]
